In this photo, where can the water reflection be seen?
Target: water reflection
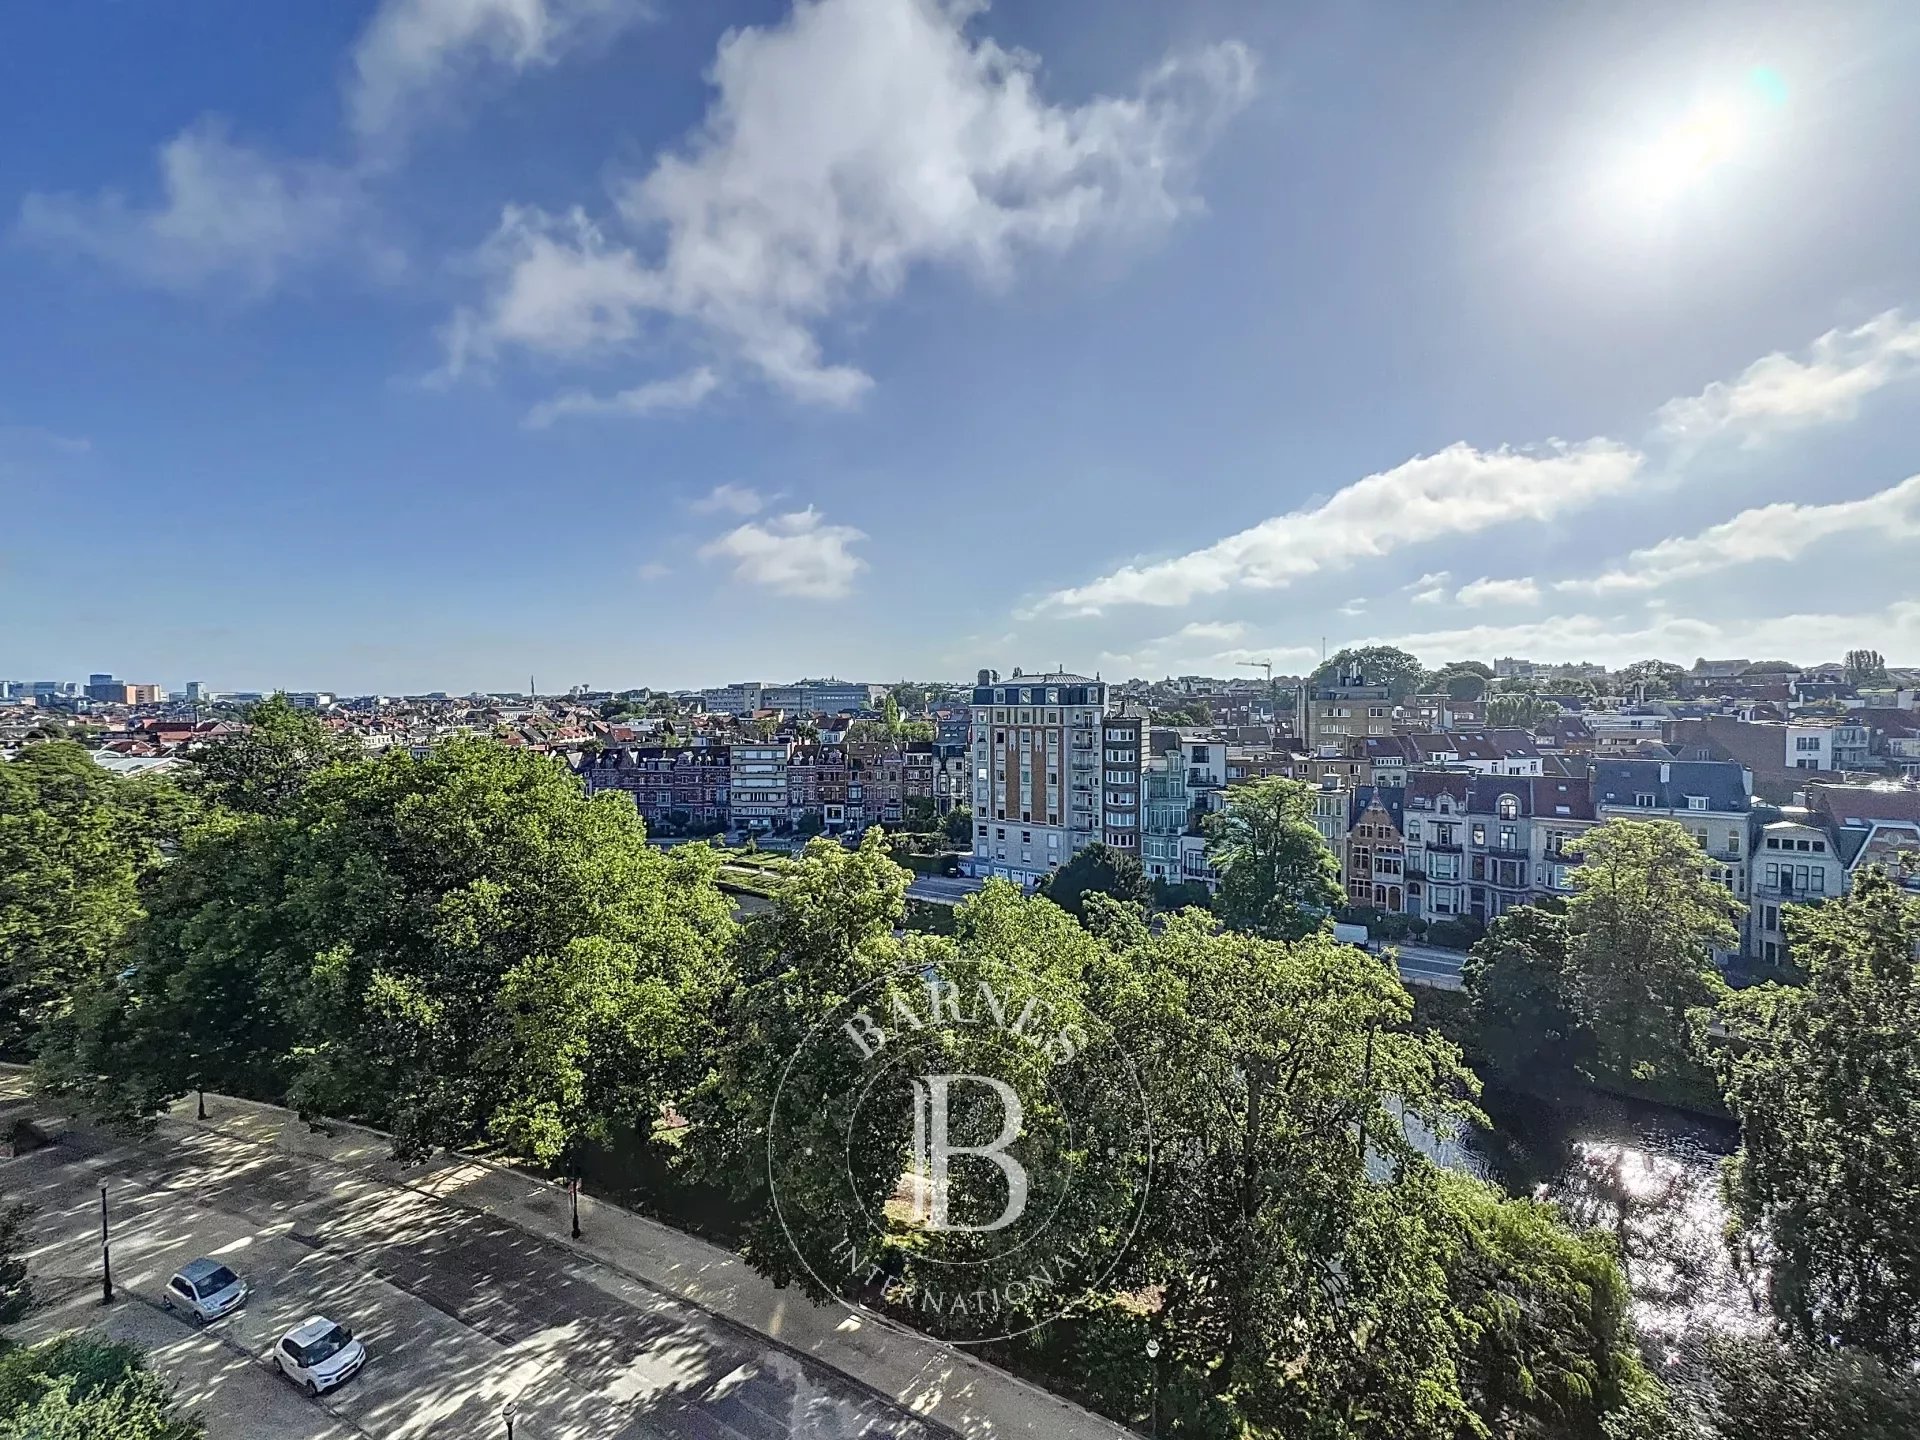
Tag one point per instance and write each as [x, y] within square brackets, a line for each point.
[1647, 1173]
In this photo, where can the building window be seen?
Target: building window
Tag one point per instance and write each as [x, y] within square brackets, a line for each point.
[1645, 801]
[1696, 802]
[1507, 807]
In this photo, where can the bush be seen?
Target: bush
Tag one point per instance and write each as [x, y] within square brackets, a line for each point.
[1456, 932]
[1168, 895]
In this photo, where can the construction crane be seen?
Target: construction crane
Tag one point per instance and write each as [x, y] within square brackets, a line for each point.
[1266, 665]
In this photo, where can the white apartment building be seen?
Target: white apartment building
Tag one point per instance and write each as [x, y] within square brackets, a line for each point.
[1794, 863]
[1037, 773]
[757, 784]
[1825, 745]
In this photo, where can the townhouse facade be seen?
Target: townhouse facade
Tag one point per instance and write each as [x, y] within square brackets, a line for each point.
[1121, 742]
[1374, 864]
[1476, 846]
[672, 787]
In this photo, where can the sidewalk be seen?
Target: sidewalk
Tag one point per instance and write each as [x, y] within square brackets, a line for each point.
[945, 1385]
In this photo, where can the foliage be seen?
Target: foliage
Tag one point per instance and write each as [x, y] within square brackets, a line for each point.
[831, 931]
[1455, 932]
[1643, 922]
[1384, 665]
[1756, 1387]
[1519, 712]
[462, 948]
[75, 842]
[811, 823]
[266, 767]
[1461, 679]
[958, 827]
[1825, 1081]
[16, 1290]
[1097, 869]
[1656, 679]
[1195, 712]
[1179, 894]
[82, 1386]
[1866, 667]
[1520, 1009]
[1277, 876]
[919, 814]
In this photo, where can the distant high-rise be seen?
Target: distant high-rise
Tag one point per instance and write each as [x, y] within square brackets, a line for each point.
[1037, 773]
[196, 692]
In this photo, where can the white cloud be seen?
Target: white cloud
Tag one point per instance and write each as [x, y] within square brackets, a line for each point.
[1354, 607]
[1430, 588]
[1778, 393]
[228, 214]
[1458, 491]
[680, 392]
[734, 499]
[413, 53]
[1768, 532]
[1498, 592]
[794, 554]
[843, 147]
[1223, 631]
[654, 570]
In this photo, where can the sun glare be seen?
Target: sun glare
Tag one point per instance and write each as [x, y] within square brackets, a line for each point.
[1653, 174]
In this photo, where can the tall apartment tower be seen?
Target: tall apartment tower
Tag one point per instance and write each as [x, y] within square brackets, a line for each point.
[1122, 739]
[1036, 773]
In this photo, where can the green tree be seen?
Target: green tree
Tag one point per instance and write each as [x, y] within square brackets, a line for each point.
[1656, 679]
[1757, 1387]
[263, 769]
[1642, 926]
[1384, 665]
[1461, 679]
[831, 931]
[1520, 712]
[1518, 1003]
[1317, 1273]
[1097, 869]
[959, 827]
[1825, 1081]
[84, 1387]
[75, 842]
[1278, 879]
[1866, 667]
[463, 948]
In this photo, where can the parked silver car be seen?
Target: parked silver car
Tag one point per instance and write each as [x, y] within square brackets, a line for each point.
[203, 1290]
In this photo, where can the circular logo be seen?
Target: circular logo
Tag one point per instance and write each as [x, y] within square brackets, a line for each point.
[965, 1142]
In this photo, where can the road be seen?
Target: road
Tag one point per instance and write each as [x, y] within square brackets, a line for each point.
[1430, 965]
[943, 889]
[461, 1312]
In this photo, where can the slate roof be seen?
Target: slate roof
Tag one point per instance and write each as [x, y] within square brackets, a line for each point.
[1547, 796]
[1617, 782]
[1392, 799]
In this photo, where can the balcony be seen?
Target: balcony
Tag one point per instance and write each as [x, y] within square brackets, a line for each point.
[1444, 847]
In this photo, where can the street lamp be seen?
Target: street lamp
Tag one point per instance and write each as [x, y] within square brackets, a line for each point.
[507, 1411]
[106, 1252]
[573, 1191]
[202, 1105]
[1153, 1354]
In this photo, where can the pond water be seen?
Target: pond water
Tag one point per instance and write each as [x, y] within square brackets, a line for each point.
[1649, 1173]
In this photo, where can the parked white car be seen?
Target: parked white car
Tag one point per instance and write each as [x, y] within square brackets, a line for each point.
[318, 1354]
[203, 1290]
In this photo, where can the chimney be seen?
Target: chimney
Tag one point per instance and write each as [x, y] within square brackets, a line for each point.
[1666, 772]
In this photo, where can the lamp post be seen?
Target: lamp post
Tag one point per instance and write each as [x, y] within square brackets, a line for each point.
[1153, 1355]
[573, 1191]
[106, 1252]
[202, 1104]
[506, 1411]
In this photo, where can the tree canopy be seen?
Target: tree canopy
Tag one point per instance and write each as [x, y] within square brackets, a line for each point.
[1278, 879]
[1384, 665]
[265, 767]
[75, 844]
[1097, 869]
[1825, 1081]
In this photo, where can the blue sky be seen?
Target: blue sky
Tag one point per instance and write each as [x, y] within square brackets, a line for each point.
[431, 344]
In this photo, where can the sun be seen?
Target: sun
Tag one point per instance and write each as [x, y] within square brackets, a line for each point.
[1684, 155]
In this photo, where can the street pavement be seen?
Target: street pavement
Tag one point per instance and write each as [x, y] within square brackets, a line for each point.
[1429, 965]
[460, 1312]
[943, 889]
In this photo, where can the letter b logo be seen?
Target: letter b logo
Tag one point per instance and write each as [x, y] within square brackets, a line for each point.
[932, 1150]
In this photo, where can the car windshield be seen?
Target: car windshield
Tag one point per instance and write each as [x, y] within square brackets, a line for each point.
[327, 1346]
[216, 1281]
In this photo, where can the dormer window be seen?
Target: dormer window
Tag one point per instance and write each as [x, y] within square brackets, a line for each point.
[1696, 802]
[1507, 807]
